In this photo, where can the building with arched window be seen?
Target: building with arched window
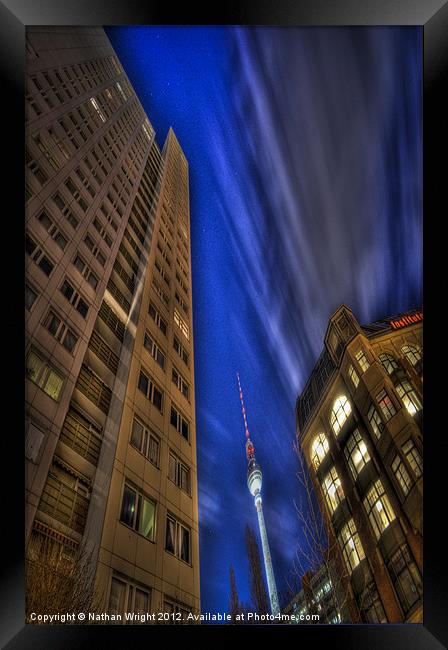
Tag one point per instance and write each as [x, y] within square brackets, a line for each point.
[359, 427]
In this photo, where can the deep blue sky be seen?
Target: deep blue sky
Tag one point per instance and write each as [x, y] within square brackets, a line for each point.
[305, 154]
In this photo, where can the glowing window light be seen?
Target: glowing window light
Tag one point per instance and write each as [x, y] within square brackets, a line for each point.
[97, 108]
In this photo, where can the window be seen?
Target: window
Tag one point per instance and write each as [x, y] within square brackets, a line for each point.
[126, 597]
[180, 382]
[353, 375]
[181, 323]
[385, 404]
[180, 423]
[97, 109]
[179, 473]
[405, 578]
[30, 296]
[138, 512]
[42, 374]
[74, 298]
[412, 354]
[413, 457]
[341, 411]
[183, 354]
[378, 508]
[154, 350]
[38, 256]
[157, 318]
[332, 489]
[319, 449]
[177, 539]
[61, 332]
[85, 271]
[150, 390]
[362, 360]
[350, 543]
[375, 421]
[59, 201]
[82, 435]
[174, 608]
[66, 496]
[94, 388]
[408, 397]
[401, 474]
[356, 453]
[146, 441]
[388, 362]
[55, 233]
[371, 605]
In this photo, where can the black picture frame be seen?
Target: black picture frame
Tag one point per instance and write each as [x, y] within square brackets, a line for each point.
[15, 15]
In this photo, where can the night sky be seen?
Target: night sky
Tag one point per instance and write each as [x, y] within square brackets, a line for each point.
[305, 157]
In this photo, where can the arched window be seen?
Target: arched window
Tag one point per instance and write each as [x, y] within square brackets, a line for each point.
[412, 353]
[388, 362]
[339, 414]
[319, 449]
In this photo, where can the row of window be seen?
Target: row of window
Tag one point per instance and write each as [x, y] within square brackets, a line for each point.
[129, 597]
[156, 396]
[139, 513]
[357, 457]
[402, 569]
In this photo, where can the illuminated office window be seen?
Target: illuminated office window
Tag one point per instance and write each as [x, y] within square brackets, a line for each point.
[319, 449]
[339, 414]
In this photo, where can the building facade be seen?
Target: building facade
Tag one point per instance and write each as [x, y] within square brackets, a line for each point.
[359, 425]
[110, 431]
[322, 596]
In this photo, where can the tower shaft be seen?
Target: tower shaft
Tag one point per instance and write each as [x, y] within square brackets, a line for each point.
[272, 587]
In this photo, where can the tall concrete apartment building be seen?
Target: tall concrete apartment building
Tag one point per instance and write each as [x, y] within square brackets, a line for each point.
[110, 431]
[359, 426]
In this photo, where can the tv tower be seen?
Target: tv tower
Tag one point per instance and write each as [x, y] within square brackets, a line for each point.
[254, 481]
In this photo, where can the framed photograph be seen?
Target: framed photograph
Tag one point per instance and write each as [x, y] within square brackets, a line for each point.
[222, 388]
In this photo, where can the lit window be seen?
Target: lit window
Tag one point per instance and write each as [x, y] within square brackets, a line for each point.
[356, 453]
[181, 323]
[43, 375]
[401, 474]
[138, 512]
[97, 108]
[378, 508]
[362, 360]
[341, 411]
[412, 354]
[319, 449]
[353, 375]
[352, 549]
[388, 362]
[332, 488]
[408, 397]
[386, 405]
[413, 457]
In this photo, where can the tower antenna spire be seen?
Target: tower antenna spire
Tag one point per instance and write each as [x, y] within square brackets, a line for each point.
[246, 427]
